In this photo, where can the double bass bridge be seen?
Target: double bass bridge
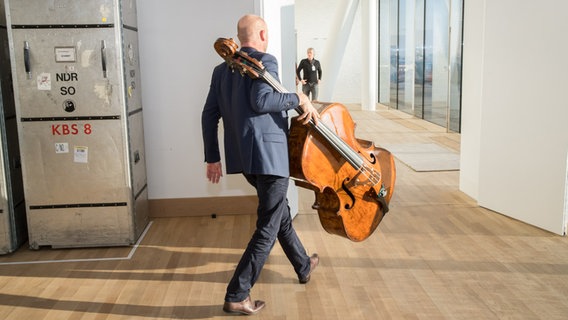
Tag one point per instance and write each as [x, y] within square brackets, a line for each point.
[366, 176]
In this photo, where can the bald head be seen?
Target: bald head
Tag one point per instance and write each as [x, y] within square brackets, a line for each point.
[252, 32]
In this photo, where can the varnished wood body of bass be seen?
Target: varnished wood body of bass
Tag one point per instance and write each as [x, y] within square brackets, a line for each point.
[346, 205]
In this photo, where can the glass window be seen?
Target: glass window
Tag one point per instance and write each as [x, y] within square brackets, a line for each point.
[420, 60]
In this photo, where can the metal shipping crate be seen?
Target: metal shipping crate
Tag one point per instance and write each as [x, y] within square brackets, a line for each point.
[13, 232]
[77, 85]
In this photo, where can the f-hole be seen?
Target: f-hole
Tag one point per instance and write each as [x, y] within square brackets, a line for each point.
[349, 193]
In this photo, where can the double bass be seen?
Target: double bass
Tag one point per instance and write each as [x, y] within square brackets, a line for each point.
[353, 180]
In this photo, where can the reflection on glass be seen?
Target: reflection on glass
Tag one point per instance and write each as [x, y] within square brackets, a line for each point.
[420, 61]
[393, 35]
[406, 56]
[456, 66]
[436, 43]
[384, 52]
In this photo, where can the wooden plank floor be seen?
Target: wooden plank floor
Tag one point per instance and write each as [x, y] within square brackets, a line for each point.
[436, 255]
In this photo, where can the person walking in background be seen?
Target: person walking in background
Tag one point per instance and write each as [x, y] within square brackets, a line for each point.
[311, 69]
[255, 123]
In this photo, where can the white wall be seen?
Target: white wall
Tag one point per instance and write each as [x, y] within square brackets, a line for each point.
[472, 81]
[515, 75]
[272, 12]
[177, 58]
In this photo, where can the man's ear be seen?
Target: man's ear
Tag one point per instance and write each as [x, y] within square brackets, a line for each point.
[263, 35]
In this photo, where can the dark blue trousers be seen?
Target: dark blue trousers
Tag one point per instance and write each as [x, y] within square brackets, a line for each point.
[273, 222]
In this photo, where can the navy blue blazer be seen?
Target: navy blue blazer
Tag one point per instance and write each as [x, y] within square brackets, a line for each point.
[255, 120]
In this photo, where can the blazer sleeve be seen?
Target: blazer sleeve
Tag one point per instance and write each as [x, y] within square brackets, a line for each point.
[265, 98]
[210, 117]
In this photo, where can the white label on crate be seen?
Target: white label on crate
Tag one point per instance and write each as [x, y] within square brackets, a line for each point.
[61, 147]
[65, 54]
[44, 81]
[81, 154]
